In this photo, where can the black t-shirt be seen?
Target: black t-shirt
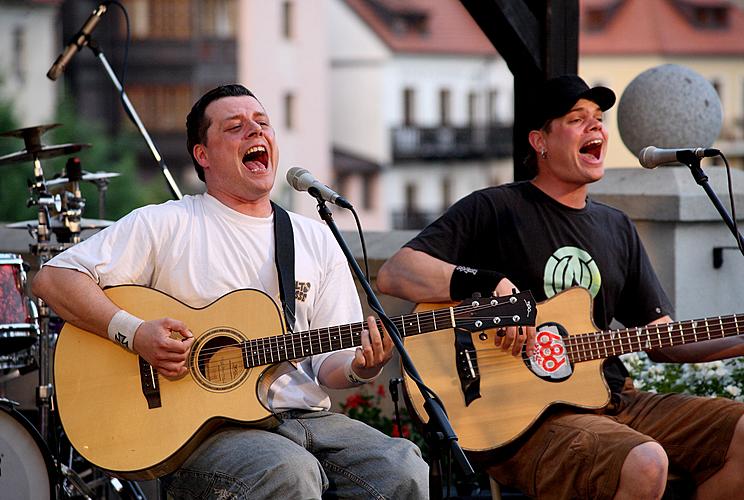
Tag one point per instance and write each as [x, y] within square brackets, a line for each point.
[546, 247]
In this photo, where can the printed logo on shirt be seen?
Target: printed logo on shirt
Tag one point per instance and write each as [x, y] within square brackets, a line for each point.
[571, 266]
[301, 289]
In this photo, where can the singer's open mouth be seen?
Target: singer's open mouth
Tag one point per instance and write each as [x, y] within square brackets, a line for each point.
[593, 147]
[256, 158]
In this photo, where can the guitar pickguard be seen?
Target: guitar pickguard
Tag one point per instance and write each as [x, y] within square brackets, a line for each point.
[550, 361]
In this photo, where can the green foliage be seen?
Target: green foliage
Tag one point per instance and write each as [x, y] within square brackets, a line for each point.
[109, 154]
[13, 188]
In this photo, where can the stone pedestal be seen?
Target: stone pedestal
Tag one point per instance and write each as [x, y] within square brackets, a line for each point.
[682, 231]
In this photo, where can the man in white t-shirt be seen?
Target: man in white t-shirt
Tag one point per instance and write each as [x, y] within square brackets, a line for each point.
[198, 249]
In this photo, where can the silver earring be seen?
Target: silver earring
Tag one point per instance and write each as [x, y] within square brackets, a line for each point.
[544, 154]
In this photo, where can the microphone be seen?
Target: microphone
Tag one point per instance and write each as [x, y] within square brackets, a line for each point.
[302, 180]
[77, 42]
[651, 157]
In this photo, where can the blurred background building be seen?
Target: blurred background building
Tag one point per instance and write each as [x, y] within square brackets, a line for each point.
[622, 38]
[404, 106]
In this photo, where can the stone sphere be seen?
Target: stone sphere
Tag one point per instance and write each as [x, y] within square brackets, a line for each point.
[669, 106]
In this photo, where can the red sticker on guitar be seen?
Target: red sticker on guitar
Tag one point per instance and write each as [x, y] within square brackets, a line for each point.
[549, 360]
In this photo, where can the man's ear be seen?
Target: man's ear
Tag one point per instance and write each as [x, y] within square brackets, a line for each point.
[200, 153]
[537, 140]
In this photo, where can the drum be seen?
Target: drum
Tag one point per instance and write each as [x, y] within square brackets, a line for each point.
[18, 318]
[27, 468]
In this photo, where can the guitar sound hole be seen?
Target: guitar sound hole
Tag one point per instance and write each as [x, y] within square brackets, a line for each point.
[220, 362]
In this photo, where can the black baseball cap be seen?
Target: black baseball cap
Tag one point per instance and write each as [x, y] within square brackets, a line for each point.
[558, 95]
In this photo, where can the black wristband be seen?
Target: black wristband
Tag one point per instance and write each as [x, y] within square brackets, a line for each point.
[466, 281]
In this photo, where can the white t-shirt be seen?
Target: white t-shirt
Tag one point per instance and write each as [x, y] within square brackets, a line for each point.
[197, 250]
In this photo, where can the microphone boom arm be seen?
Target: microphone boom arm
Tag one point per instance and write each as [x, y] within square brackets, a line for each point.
[132, 113]
[702, 180]
[438, 424]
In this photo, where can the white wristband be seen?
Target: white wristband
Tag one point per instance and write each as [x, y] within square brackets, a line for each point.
[356, 379]
[122, 327]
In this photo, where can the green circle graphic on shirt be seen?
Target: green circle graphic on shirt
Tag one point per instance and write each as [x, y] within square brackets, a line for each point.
[571, 266]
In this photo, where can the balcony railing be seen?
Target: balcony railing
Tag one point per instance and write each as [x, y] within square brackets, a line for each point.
[451, 143]
[413, 220]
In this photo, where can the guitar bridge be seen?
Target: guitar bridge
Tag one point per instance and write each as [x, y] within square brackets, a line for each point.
[466, 360]
[150, 384]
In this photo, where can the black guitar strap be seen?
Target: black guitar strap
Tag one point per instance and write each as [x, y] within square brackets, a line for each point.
[285, 263]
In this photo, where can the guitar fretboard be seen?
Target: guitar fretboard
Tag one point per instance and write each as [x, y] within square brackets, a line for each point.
[504, 311]
[269, 350]
[598, 345]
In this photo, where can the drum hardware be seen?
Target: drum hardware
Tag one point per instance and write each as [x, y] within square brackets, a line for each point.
[28, 333]
[100, 179]
[85, 223]
[93, 177]
[34, 149]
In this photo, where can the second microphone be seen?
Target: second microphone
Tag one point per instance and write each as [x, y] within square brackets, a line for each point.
[302, 180]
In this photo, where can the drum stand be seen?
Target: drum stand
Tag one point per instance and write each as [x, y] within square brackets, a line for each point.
[70, 206]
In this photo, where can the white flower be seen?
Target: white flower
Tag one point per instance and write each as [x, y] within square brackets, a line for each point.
[733, 390]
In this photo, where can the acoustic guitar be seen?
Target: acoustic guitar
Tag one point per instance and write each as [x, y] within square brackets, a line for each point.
[492, 397]
[124, 418]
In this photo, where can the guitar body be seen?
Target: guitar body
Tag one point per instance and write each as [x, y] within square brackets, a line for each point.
[512, 397]
[99, 386]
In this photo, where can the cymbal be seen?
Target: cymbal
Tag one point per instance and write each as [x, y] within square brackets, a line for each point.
[58, 224]
[87, 176]
[31, 135]
[41, 152]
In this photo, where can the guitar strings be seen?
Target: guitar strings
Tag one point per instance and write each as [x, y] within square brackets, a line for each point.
[272, 346]
[317, 338]
[585, 347]
[580, 347]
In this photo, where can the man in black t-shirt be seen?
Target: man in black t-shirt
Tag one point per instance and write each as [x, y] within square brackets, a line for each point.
[547, 235]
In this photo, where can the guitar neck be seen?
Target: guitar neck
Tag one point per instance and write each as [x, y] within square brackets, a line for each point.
[598, 345]
[275, 349]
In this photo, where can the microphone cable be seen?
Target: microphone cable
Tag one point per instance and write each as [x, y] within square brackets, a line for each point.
[729, 182]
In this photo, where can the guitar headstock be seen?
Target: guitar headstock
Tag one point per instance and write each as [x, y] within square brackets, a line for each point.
[483, 313]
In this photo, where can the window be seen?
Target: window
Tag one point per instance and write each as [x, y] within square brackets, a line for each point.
[472, 108]
[161, 107]
[287, 19]
[368, 181]
[716, 85]
[217, 18]
[493, 106]
[411, 206]
[19, 53]
[160, 19]
[446, 193]
[408, 107]
[289, 104]
[444, 108]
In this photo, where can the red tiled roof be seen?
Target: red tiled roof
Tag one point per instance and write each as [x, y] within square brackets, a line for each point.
[659, 27]
[449, 27]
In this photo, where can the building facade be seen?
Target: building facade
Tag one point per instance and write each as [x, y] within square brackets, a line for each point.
[622, 38]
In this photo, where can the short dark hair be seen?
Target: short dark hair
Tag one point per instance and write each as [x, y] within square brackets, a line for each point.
[197, 123]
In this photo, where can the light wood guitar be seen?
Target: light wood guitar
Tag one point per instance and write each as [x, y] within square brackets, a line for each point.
[567, 369]
[122, 417]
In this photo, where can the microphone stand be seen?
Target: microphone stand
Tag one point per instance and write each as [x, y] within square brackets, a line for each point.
[438, 427]
[129, 109]
[697, 173]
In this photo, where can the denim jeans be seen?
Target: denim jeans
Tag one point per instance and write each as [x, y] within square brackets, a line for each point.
[310, 454]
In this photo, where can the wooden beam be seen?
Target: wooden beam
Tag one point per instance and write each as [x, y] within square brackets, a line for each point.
[538, 39]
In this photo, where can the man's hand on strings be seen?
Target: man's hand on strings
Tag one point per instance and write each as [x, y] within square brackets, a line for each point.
[165, 344]
[512, 338]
